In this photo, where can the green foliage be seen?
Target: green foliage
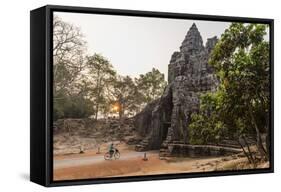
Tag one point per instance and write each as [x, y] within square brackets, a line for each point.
[69, 86]
[126, 95]
[72, 107]
[101, 74]
[240, 106]
[151, 85]
[207, 127]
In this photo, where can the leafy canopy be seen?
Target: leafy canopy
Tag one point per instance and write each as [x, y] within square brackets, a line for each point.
[240, 106]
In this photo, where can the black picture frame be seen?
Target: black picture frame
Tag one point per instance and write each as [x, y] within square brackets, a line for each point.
[41, 147]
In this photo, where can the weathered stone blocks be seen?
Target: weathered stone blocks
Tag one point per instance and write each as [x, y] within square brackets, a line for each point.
[166, 120]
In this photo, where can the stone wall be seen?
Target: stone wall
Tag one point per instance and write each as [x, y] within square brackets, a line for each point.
[198, 150]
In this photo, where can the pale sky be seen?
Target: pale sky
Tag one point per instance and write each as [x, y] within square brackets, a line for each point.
[134, 45]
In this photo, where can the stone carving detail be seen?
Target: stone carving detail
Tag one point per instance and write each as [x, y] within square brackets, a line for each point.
[166, 120]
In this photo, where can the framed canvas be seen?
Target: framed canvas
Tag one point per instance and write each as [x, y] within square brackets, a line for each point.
[125, 95]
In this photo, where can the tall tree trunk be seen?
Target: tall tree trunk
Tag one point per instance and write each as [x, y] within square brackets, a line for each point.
[267, 138]
[97, 110]
[120, 114]
[98, 94]
[250, 152]
[245, 152]
[121, 111]
[260, 147]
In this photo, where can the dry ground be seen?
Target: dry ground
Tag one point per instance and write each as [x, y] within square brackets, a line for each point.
[92, 165]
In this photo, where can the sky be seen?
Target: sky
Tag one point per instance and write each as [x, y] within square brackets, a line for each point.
[134, 45]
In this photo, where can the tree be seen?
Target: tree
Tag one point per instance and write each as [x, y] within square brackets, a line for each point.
[241, 104]
[86, 85]
[207, 127]
[101, 73]
[68, 54]
[126, 95]
[70, 100]
[72, 106]
[151, 85]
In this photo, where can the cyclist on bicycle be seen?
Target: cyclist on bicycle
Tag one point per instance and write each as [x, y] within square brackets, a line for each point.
[111, 149]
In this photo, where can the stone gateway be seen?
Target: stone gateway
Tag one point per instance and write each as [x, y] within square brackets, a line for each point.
[165, 121]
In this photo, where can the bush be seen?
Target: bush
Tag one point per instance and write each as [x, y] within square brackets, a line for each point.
[72, 107]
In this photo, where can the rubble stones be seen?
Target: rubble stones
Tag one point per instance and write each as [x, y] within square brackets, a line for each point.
[73, 134]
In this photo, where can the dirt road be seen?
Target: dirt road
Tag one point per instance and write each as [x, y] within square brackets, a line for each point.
[91, 165]
[88, 160]
[87, 165]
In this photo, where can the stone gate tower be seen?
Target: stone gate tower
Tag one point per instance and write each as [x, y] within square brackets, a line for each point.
[166, 120]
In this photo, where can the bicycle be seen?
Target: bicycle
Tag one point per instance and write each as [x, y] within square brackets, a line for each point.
[116, 155]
